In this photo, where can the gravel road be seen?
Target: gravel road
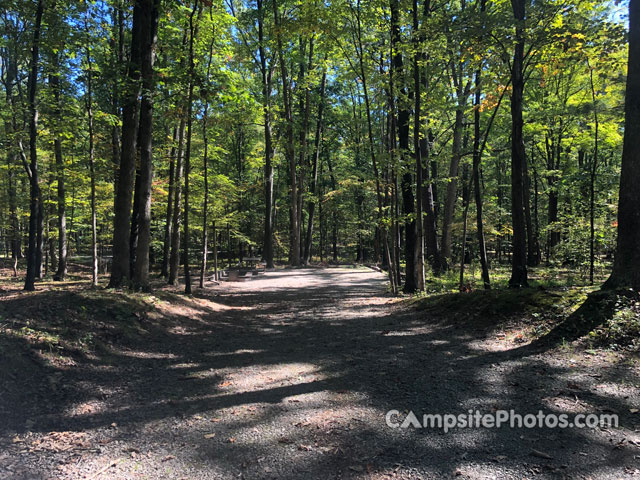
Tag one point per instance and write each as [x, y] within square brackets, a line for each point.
[290, 376]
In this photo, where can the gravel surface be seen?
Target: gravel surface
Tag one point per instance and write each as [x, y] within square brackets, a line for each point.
[289, 376]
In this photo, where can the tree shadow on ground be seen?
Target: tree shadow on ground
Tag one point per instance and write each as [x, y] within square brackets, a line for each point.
[294, 382]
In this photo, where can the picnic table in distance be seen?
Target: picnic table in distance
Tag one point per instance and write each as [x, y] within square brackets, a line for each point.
[247, 268]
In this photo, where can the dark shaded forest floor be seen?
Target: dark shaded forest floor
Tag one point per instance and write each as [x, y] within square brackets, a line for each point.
[290, 376]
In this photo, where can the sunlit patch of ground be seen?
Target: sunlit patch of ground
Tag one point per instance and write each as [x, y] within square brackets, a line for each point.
[289, 376]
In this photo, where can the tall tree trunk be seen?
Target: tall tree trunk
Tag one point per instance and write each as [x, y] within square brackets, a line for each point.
[205, 207]
[554, 151]
[397, 234]
[321, 218]
[627, 257]
[174, 255]
[431, 244]
[477, 158]
[314, 174]
[466, 195]
[533, 260]
[92, 173]
[518, 155]
[34, 254]
[305, 113]
[267, 72]
[536, 216]
[392, 259]
[187, 155]
[10, 126]
[552, 215]
[54, 81]
[334, 215]
[294, 248]
[166, 244]
[10, 64]
[381, 230]
[141, 269]
[51, 247]
[135, 213]
[592, 180]
[452, 184]
[359, 191]
[126, 173]
[418, 152]
[14, 225]
[117, 46]
[408, 203]
[205, 161]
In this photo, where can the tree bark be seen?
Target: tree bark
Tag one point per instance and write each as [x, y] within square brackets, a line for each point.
[627, 257]
[431, 244]
[137, 201]
[54, 81]
[533, 259]
[418, 153]
[187, 161]
[305, 113]
[408, 202]
[466, 196]
[334, 215]
[314, 174]
[452, 185]
[174, 255]
[10, 64]
[477, 158]
[141, 269]
[592, 180]
[554, 151]
[118, 51]
[518, 155]
[14, 226]
[381, 230]
[205, 161]
[294, 240]
[126, 173]
[166, 244]
[34, 253]
[266, 72]
[92, 173]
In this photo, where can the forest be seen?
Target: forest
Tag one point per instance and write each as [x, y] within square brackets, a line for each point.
[428, 139]
[266, 238]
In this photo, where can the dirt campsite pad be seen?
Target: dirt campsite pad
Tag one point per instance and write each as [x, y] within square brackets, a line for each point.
[290, 376]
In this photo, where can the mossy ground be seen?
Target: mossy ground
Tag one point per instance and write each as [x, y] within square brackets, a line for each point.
[555, 308]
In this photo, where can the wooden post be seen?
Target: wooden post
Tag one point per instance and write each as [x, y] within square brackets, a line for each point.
[215, 252]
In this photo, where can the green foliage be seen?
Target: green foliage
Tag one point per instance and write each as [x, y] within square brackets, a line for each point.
[569, 47]
[622, 329]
